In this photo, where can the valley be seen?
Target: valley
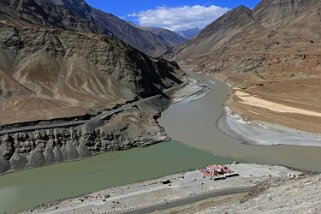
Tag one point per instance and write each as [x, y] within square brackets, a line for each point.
[202, 143]
[271, 52]
[70, 92]
[100, 113]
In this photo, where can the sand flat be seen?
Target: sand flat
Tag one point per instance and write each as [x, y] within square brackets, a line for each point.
[248, 99]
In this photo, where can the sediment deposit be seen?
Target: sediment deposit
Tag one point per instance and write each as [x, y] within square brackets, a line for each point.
[131, 128]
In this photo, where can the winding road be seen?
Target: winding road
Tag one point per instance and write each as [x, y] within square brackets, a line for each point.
[189, 200]
[103, 115]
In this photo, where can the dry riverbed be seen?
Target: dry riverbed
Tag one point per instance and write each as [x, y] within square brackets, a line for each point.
[192, 91]
[169, 188]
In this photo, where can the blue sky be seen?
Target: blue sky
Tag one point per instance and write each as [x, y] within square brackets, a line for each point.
[171, 14]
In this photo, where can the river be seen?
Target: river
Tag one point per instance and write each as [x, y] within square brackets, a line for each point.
[27, 189]
[193, 123]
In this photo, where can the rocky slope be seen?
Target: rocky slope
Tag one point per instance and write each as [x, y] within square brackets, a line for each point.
[272, 52]
[277, 196]
[77, 15]
[243, 40]
[270, 195]
[170, 36]
[219, 33]
[135, 127]
[47, 72]
[189, 34]
[56, 64]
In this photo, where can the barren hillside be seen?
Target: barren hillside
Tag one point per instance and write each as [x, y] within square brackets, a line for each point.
[276, 196]
[170, 36]
[272, 51]
[47, 72]
[77, 15]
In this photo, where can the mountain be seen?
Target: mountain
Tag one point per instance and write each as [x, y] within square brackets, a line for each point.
[271, 52]
[270, 36]
[55, 62]
[273, 13]
[189, 34]
[169, 36]
[144, 41]
[77, 15]
[220, 32]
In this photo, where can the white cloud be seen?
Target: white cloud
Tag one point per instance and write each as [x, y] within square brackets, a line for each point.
[180, 18]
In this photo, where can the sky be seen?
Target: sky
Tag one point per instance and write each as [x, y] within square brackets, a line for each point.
[176, 15]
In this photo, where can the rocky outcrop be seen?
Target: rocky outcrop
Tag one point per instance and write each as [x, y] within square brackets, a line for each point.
[136, 127]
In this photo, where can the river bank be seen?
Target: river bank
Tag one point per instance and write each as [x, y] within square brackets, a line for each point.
[289, 102]
[264, 133]
[163, 190]
[277, 196]
[198, 141]
[126, 127]
[107, 170]
[198, 123]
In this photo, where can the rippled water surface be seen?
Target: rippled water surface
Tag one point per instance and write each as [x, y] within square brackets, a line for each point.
[195, 124]
[26, 189]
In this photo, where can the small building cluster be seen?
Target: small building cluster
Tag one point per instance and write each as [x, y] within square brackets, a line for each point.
[293, 175]
[218, 172]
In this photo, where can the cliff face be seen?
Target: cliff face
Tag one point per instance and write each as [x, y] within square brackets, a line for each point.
[79, 16]
[135, 127]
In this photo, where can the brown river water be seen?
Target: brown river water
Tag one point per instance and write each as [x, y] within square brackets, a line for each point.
[195, 124]
[197, 142]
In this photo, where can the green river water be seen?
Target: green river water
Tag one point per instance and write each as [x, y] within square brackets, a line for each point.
[192, 123]
[24, 190]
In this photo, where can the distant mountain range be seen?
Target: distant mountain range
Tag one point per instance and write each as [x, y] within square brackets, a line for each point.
[171, 37]
[189, 34]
